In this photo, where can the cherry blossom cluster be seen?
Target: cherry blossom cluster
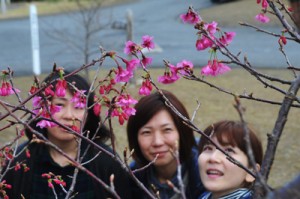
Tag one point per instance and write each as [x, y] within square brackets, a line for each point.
[19, 166]
[4, 186]
[57, 179]
[6, 88]
[121, 105]
[6, 154]
[262, 17]
[207, 39]
[118, 102]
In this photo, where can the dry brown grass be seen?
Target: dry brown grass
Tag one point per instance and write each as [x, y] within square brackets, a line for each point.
[216, 106]
[19, 10]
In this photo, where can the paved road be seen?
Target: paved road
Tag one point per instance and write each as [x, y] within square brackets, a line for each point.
[157, 18]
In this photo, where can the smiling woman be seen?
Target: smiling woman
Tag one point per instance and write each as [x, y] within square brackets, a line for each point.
[155, 133]
[49, 164]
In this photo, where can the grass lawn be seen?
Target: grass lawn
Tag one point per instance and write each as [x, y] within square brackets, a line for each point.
[216, 106]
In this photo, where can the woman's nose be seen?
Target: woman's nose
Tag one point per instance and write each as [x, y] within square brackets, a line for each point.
[68, 113]
[157, 139]
[216, 156]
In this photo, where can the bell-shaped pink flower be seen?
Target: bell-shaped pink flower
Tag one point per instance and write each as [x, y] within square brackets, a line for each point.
[227, 38]
[131, 65]
[130, 48]
[203, 43]
[190, 17]
[262, 18]
[146, 88]
[125, 100]
[185, 67]
[211, 27]
[214, 68]
[168, 78]
[6, 89]
[97, 109]
[123, 75]
[146, 61]
[147, 42]
[79, 99]
[60, 88]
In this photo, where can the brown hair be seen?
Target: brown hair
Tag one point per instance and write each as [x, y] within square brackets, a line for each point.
[146, 108]
[232, 133]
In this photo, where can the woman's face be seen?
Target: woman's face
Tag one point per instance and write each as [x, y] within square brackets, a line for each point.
[68, 116]
[158, 138]
[218, 174]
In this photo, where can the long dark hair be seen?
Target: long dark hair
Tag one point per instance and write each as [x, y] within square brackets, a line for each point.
[92, 121]
[146, 108]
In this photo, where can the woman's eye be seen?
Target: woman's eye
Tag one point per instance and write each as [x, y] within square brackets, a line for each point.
[145, 133]
[207, 148]
[229, 150]
[167, 130]
[59, 104]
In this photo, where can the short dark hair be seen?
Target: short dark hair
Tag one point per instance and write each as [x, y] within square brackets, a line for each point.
[92, 121]
[232, 133]
[146, 108]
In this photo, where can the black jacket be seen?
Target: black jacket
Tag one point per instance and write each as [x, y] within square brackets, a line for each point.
[102, 166]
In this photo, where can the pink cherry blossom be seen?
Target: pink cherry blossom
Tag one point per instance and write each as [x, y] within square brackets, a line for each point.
[6, 89]
[264, 4]
[46, 175]
[211, 27]
[146, 88]
[79, 99]
[36, 103]
[131, 65]
[262, 18]
[50, 185]
[49, 91]
[214, 68]
[97, 109]
[44, 113]
[227, 38]
[185, 67]
[130, 48]
[123, 75]
[190, 17]
[121, 116]
[54, 109]
[45, 124]
[60, 88]
[147, 42]
[125, 100]
[146, 61]
[128, 111]
[203, 43]
[168, 78]
[33, 89]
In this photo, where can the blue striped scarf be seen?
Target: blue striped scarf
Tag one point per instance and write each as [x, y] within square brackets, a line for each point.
[237, 194]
